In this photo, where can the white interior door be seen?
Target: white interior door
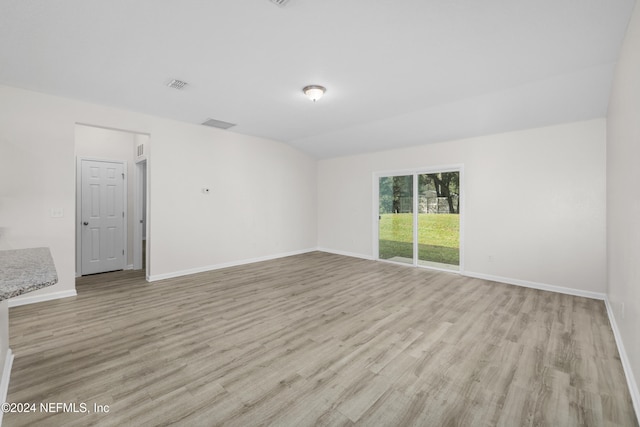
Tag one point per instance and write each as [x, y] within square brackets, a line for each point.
[102, 216]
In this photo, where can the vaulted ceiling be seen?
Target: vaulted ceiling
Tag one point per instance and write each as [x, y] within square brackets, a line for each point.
[397, 72]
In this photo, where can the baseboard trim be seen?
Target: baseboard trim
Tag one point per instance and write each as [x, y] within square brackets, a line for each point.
[24, 300]
[536, 285]
[6, 376]
[507, 280]
[345, 253]
[626, 364]
[156, 277]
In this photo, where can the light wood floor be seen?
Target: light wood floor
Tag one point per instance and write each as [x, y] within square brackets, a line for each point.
[318, 339]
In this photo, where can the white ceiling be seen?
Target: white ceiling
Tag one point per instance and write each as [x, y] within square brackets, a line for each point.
[397, 72]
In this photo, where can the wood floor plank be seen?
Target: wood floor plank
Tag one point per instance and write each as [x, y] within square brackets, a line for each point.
[317, 339]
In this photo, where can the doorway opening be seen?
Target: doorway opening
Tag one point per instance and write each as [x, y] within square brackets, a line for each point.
[111, 222]
[418, 218]
[140, 217]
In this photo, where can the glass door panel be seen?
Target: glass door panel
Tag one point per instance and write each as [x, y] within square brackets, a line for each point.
[439, 220]
[395, 214]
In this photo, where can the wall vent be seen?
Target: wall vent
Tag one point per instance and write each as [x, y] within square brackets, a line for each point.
[280, 3]
[218, 124]
[177, 84]
[140, 150]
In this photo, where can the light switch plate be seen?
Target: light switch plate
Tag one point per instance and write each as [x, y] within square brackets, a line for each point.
[57, 213]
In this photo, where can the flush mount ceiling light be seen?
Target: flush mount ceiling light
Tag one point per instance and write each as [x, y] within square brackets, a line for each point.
[314, 92]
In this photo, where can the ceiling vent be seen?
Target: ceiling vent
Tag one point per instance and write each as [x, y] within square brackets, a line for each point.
[280, 3]
[176, 84]
[218, 124]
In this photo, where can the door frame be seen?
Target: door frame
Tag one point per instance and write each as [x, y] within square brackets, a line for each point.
[78, 221]
[415, 172]
[140, 170]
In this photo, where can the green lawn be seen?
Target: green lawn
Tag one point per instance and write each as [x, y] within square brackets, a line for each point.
[438, 237]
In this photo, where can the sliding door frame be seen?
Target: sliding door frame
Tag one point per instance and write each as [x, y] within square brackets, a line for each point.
[415, 172]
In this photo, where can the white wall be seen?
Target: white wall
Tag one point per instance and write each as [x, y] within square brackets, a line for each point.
[534, 201]
[263, 201]
[110, 144]
[4, 338]
[262, 198]
[623, 199]
[4, 349]
[37, 173]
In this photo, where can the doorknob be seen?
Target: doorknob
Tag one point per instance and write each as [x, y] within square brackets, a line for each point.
[85, 223]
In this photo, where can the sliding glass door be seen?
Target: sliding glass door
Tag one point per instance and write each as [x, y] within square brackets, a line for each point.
[439, 220]
[395, 230]
[419, 219]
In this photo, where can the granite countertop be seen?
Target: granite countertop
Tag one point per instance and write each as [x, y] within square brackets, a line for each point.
[25, 270]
